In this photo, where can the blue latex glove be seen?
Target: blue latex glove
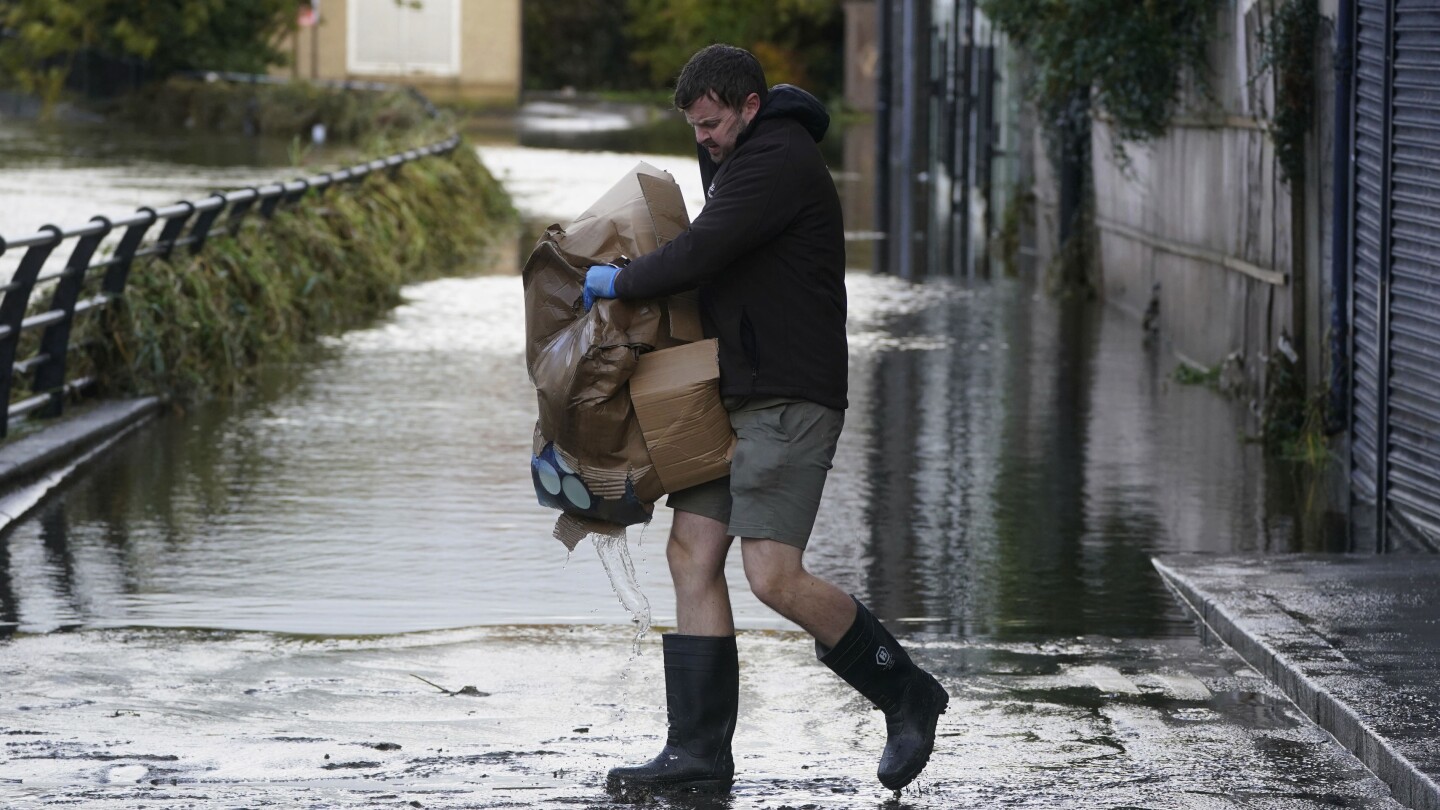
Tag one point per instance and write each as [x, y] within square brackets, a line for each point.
[600, 283]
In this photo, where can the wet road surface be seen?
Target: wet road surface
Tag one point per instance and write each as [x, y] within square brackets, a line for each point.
[1008, 467]
[214, 719]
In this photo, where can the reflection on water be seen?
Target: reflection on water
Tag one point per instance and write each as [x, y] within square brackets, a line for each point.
[1008, 466]
[65, 174]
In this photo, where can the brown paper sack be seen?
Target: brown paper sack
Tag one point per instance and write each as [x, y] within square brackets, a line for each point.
[581, 362]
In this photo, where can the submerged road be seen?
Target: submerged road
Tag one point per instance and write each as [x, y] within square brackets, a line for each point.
[236, 607]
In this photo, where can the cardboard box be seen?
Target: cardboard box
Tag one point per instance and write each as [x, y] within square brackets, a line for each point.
[676, 394]
[628, 391]
[676, 391]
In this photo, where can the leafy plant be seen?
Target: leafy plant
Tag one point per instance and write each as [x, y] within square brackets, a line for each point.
[42, 38]
[597, 45]
[797, 41]
[1289, 54]
[1187, 374]
[198, 325]
[1019, 212]
[578, 43]
[1292, 420]
[1131, 55]
[286, 109]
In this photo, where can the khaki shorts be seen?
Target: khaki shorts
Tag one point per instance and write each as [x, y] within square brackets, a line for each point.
[783, 450]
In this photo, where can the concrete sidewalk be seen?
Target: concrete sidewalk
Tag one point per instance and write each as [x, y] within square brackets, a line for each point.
[35, 463]
[1353, 640]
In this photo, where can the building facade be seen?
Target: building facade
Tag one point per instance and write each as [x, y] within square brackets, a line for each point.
[449, 49]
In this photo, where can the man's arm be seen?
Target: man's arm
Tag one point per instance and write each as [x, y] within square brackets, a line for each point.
[741, 217]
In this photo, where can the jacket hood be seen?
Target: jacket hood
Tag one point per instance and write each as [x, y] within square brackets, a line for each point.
[783, 101]
[789, 101]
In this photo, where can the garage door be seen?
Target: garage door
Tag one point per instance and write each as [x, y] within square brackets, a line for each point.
[1395, 284]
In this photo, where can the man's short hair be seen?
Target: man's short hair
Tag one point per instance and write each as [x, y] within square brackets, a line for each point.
[731, 73]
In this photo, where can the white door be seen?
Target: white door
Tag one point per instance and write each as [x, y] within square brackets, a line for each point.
[404, 37]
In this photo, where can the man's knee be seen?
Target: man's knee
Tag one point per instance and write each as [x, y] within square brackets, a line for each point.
[697, 545]
[771, 569]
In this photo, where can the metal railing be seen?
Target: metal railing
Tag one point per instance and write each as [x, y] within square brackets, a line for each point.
[186, 225]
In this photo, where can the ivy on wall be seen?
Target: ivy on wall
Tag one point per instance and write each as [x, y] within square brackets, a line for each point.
[1289, 54]
[1132, 55]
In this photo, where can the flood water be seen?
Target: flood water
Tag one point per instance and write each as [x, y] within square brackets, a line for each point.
[1008, 466]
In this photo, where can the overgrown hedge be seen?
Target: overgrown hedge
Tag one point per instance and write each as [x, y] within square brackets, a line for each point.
[285, 110]
[206, 324]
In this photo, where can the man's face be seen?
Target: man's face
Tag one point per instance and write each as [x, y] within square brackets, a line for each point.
[718, 127]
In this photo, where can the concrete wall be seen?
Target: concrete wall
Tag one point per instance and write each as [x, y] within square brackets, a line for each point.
[490, 49]
[1200, 222]
[862, 54]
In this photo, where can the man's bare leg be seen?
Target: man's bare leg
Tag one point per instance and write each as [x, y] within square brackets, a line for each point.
[696, 554]
[859, 649]
[778, 578]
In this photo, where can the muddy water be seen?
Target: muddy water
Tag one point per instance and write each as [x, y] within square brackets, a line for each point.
[113, 720]
[1007, 468]
[65, 173]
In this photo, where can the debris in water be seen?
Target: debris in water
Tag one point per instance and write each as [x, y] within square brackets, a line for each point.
[468, 691]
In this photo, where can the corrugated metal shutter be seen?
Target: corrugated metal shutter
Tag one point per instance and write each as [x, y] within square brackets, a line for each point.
[1371, 189]
[1395, 285]
[1413, 424]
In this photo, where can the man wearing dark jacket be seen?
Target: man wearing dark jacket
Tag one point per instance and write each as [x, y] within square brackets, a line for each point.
[768, 256]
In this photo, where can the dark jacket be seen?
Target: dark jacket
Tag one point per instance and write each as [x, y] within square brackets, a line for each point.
[768, 254]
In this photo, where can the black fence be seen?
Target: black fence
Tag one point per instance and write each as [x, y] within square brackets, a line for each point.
[92, 278]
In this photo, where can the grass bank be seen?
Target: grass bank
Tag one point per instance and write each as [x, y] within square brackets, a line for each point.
[285, 110]
[201, 325]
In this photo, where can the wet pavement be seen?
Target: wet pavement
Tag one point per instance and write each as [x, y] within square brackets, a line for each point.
[1353, 641]
[219, 719]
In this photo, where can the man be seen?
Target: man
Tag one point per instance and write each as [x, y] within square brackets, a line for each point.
[768, 255]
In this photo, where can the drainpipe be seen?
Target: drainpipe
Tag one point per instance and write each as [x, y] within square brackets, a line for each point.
[967, 132]
[1341, 221]
[904, 232]
[882, 141]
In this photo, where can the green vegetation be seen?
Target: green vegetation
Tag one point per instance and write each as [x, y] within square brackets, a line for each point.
[1123, 59]
[206, 324]
[581, 44]
[1019, 212]
[797, 41]
[287, 110]
[44, 37]
[1292, 420]
[1187, 374]
[1289, 54]
[1131, 55]
[597, 45]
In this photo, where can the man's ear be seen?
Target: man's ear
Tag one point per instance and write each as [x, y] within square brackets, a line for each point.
[750, 107]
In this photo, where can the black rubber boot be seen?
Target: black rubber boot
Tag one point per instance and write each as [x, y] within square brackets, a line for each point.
[871, 660]
[702, 693]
